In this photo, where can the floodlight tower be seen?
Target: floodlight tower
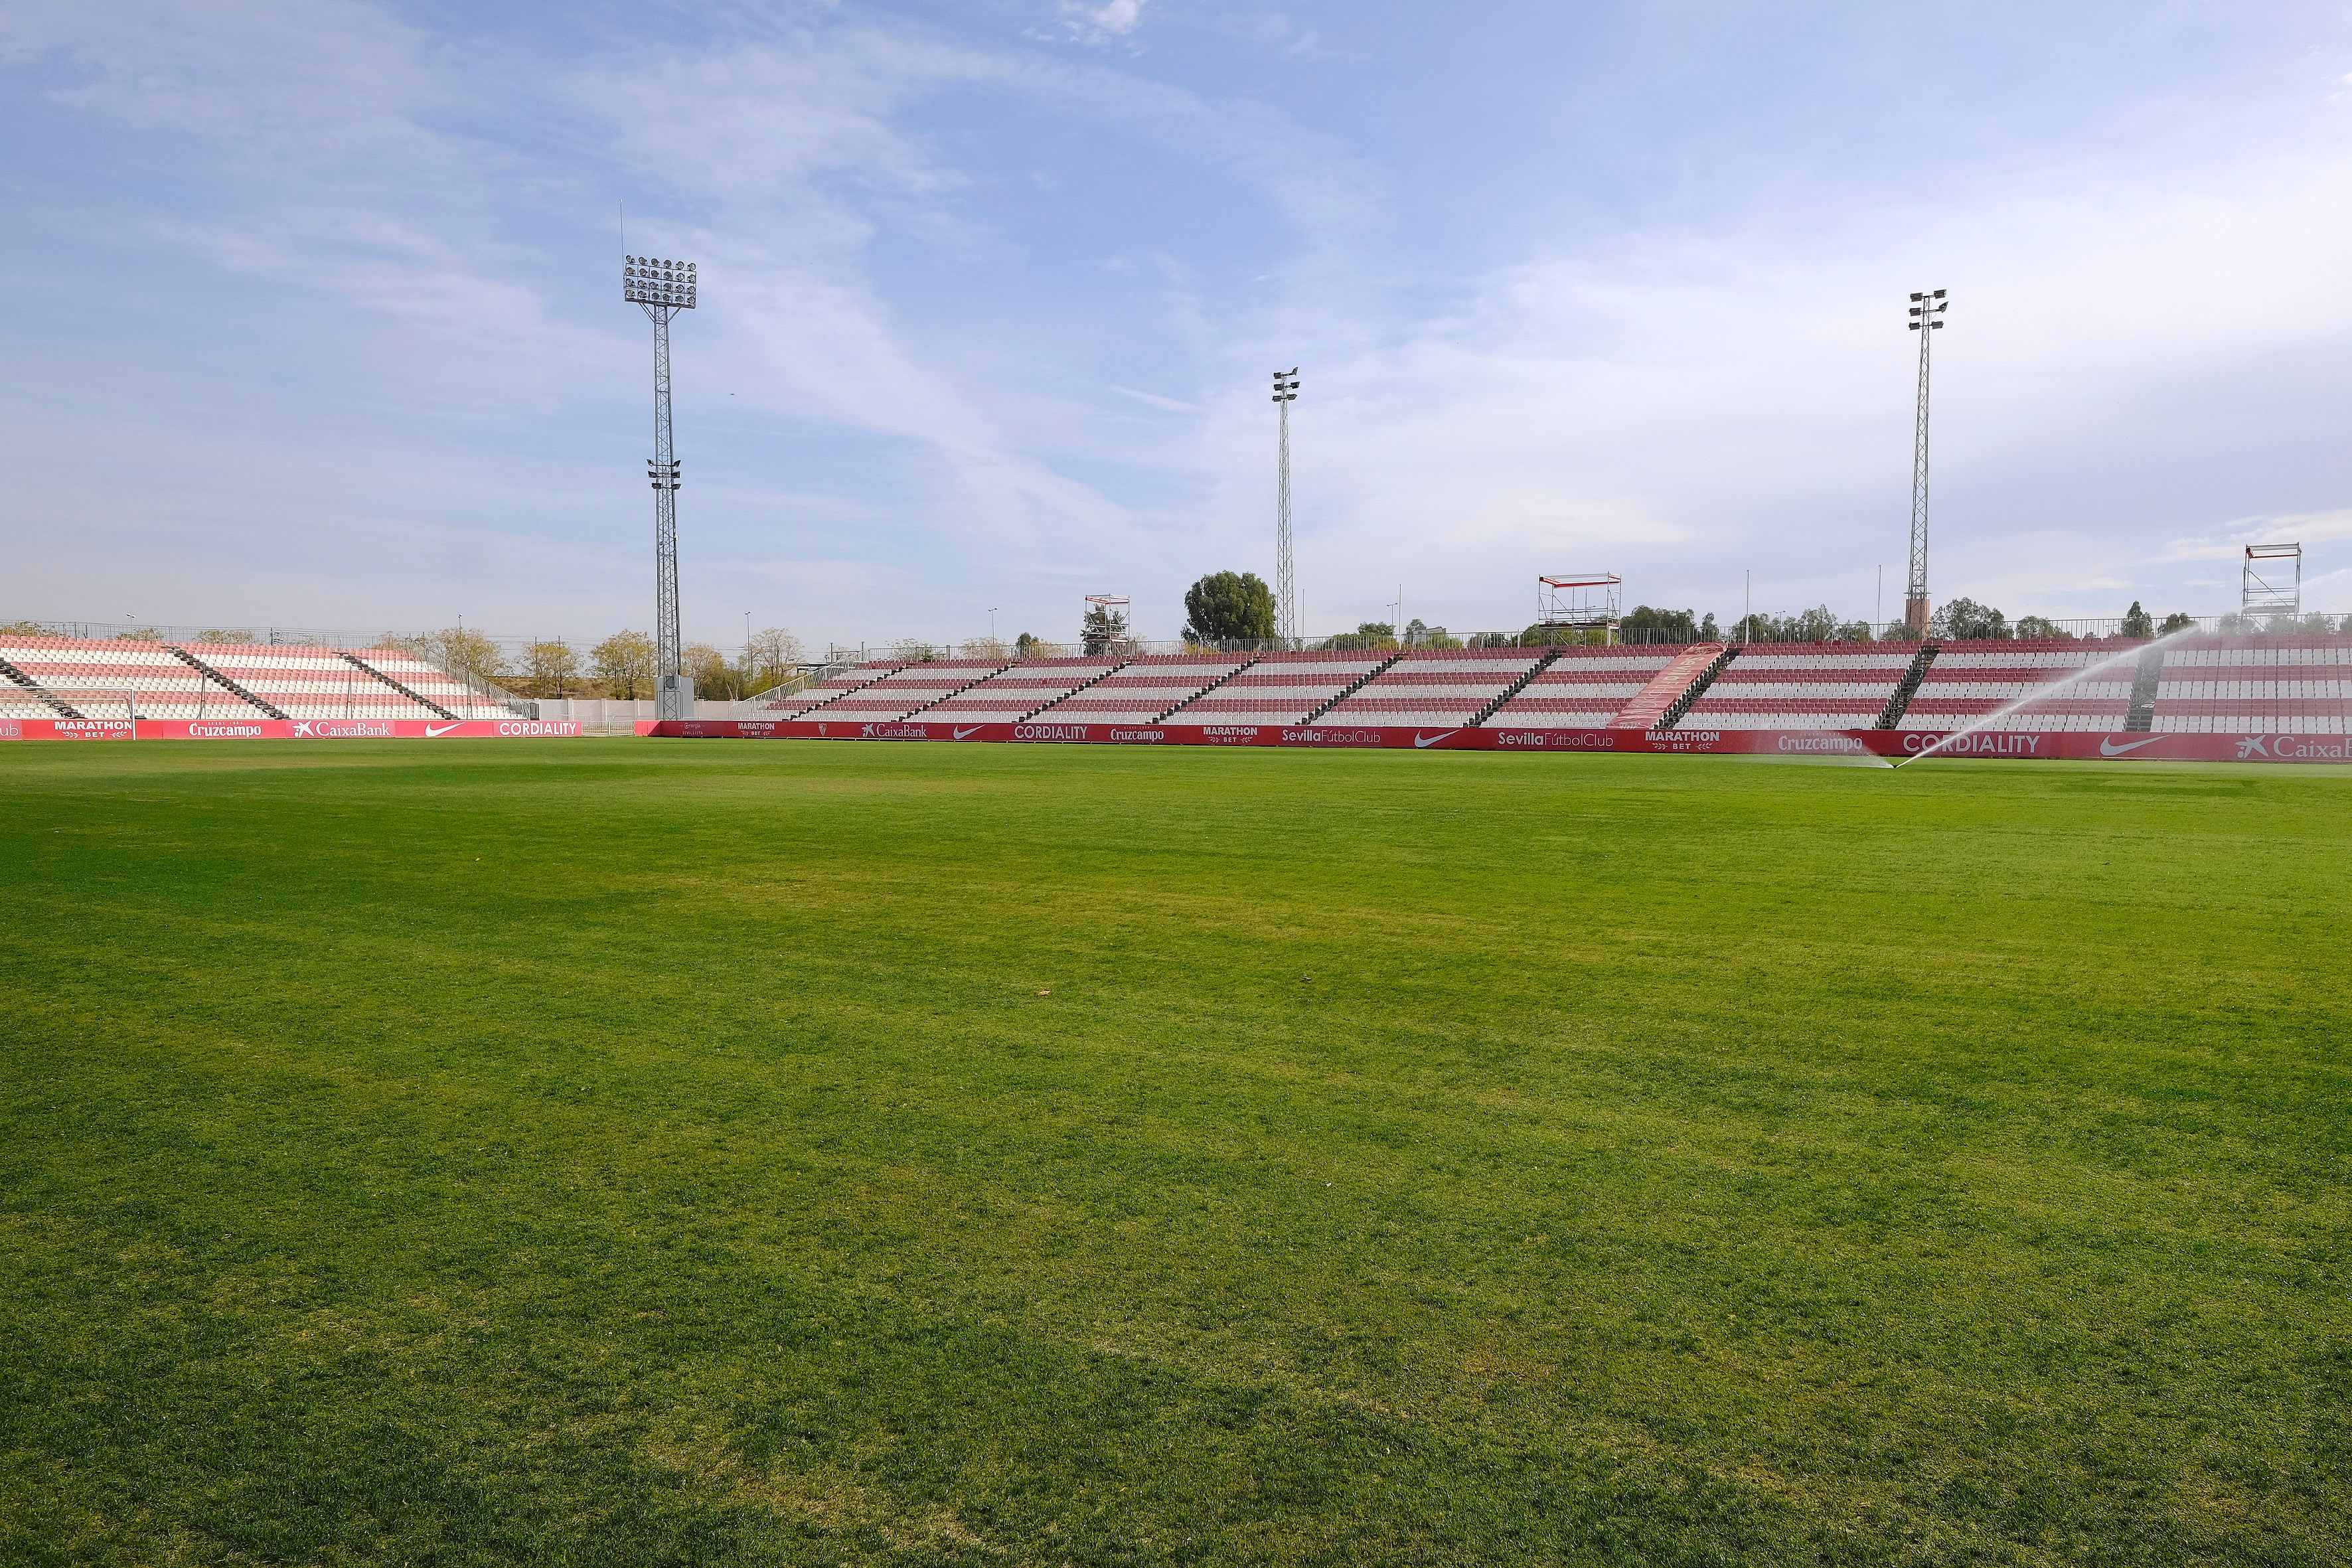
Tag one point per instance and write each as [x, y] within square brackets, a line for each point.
[1927, 319]
[1286, 588]
[662, 288]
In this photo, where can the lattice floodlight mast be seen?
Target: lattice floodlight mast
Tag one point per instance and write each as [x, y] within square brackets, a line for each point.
[1927, 319]
[1285, 587]
[2270, 583]
[662, 288]
[1579, 602]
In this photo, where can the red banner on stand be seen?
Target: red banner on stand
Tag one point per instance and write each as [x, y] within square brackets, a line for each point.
[292, 729]
[1895, 745]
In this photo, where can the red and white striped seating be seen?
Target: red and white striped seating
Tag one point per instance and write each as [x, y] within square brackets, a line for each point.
[1802, 685]
[115, 679]
[1584, 686]
[906, 690]
[1436, 686]
[840, 685]
[2256, 686]
[1145, 688]
[427, 679]
[1281, 688]
[1015, 694]
[306, 682]
[1972, 679]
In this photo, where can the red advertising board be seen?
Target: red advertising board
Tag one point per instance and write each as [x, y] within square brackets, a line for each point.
[1895, 745]
[291, 729]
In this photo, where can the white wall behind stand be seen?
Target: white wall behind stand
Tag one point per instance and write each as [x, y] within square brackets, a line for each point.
[598, 715]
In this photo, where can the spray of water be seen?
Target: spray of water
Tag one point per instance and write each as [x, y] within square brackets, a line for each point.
[2130, 656]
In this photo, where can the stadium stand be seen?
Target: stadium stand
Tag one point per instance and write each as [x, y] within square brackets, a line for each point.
[1436, 686]
[1969, 680]
[1281, 687]
[1584, 688]
[910, 689]
[810, 697]
[428, 683]
[1144, 689]
[1012, 695]
[154, 679]
[317, 683]
[2255, 685]
[1802, 685]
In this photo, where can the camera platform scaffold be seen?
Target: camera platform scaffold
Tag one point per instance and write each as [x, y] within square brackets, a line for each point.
[1582, 602]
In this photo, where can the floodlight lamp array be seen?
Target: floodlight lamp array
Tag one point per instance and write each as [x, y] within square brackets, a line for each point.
[1285, 385]
[1928, 307]
[646, 281]
[665, 475]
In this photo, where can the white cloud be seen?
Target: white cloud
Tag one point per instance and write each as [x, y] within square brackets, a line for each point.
[1154, 400]
[1107, 23]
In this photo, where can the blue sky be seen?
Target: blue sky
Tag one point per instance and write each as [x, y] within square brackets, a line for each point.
[317, 315]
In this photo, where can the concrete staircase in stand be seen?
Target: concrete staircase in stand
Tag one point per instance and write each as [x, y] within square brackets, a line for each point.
[2142, 715]
[1661, 701]
[1908, 688]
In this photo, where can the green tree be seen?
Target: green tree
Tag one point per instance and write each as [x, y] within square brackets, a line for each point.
[549, 663]
[1229, 606]
[2042, 628]
[1644, 624]
[459, 650]
[1368, 634]
[2176, 622]
[228, 636]
[625, 663]
[2137, 622]
[773, 654]
[1965, 620]
[707, 668]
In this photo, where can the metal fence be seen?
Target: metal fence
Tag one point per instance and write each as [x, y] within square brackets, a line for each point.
[838, 655]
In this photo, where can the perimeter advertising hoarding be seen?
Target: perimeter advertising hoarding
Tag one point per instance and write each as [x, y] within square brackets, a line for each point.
[1893, 744]
[292, 729]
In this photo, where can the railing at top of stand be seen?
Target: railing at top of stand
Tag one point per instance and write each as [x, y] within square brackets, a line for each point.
[520, 707]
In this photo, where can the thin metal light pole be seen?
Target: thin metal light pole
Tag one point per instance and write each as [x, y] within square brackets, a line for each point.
[1928, 309]
[1286, 585]
[662, 288]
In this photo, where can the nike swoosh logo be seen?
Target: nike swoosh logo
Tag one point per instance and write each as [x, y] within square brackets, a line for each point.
[1420, 739]
[973, 731]
[2109, 749]
[430, 731]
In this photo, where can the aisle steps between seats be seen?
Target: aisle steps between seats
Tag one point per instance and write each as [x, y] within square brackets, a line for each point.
[1682, 677]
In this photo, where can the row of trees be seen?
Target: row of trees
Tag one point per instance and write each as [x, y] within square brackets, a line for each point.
[622, 665]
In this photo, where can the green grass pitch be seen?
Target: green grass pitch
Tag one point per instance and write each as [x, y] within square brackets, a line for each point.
[636, 1152]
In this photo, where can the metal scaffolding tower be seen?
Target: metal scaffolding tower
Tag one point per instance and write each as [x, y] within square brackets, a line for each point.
[2271, 582]
[1285, 587]
[662, 288]
[1927, 319]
